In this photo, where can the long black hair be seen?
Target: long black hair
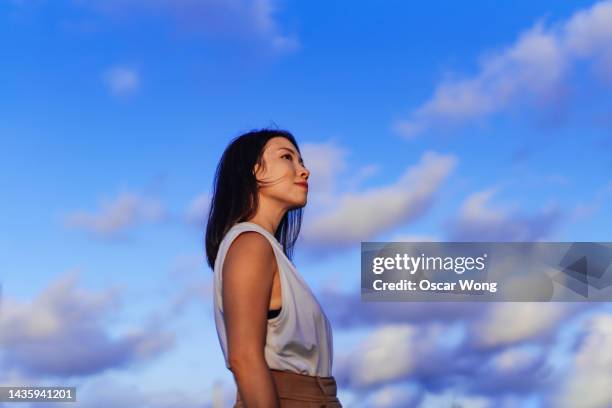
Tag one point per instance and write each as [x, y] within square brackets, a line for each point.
[235, 192]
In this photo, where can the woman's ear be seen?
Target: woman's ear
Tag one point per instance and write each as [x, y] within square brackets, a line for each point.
[257, 168]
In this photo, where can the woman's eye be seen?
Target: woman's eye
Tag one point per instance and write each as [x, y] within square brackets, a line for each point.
[288, 155]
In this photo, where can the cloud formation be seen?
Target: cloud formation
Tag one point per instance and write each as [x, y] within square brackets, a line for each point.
[479, 221]
[117, 215]
[122, 81]
[509, 323]
[62, 333]
[326, 162]
[588, 379]
[197, 211]
[246, 21]
[472, 355]
[359, 216]
[534, 68]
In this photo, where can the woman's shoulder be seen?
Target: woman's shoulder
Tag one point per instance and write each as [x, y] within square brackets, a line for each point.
[249, 226]
[249, 252]
[240, 227]
[250, 241]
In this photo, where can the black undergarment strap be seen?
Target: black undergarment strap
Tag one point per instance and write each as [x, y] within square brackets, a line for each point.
[273, 313]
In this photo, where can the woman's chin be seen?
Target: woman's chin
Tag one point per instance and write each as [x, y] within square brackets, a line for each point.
[300, 204]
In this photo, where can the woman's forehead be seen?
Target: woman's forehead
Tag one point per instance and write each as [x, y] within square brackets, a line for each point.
[280, 143]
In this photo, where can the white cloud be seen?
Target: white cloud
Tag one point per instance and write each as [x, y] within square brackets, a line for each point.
[588, 34]
[516, 359]
[248, 21]
[326, 162]
[385, 355]
[414, 238]
[197, 210]
[493, 354]
[263, 14]
[361, 175]
[359, 216]
[394, 352]
[513, 322]
[110, 391]
[122, 81]
[596, 202]
[455, 399]
[60, 305]
[116, 215]
[479, 221]
[394, 396]
[61, 333]
[588, 382]
[535, 66]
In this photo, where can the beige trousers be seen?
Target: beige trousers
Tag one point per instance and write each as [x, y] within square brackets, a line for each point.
[302, 391]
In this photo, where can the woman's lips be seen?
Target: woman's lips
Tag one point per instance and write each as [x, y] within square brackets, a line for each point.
[303, 185]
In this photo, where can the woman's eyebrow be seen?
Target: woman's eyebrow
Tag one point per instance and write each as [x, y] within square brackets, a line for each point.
[292, 151]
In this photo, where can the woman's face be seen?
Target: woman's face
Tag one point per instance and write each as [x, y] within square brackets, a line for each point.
[283, 170]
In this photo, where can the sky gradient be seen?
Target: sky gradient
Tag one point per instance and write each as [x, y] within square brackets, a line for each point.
[479, 121]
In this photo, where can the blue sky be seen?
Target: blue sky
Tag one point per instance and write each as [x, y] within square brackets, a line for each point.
[479, 121]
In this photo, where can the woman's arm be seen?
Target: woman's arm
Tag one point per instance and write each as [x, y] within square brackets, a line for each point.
[248, 273]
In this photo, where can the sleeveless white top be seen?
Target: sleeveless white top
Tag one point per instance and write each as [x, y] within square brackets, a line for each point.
[299, 339]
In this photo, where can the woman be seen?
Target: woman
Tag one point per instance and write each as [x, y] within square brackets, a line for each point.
[275, 337]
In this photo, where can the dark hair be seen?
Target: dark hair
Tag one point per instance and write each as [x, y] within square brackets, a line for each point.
[235, 192]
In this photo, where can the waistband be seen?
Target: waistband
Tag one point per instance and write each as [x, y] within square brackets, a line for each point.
[301, 387]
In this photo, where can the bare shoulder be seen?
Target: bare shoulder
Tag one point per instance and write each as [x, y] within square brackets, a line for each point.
[250, 251]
